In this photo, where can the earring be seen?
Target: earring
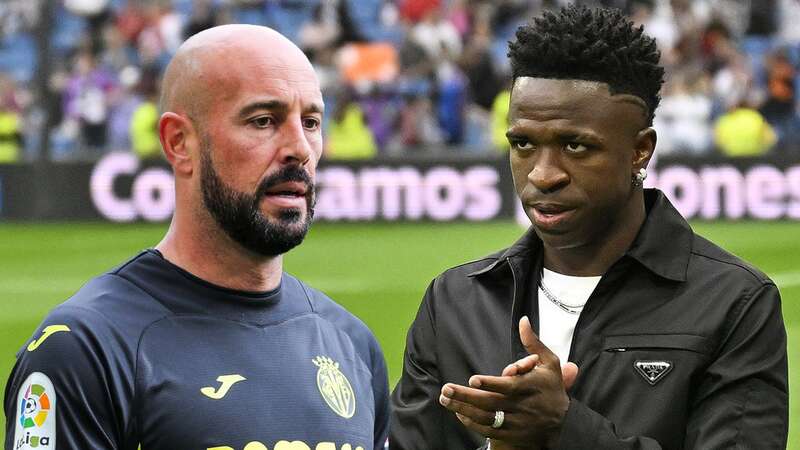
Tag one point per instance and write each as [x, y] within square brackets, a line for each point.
[638, 179]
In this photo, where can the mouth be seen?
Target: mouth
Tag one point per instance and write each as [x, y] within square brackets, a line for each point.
[290, 194]
[550, 215]
[288, 189]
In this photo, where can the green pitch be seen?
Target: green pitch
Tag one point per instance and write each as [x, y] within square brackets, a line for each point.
[378, 272]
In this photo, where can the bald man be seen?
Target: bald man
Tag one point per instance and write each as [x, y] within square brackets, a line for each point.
[204, 342]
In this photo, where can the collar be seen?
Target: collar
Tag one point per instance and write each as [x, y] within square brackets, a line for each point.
[528, 244]
[664, 243]
[663, 221]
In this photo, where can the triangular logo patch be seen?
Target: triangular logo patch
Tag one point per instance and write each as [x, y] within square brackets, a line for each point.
[653, 371]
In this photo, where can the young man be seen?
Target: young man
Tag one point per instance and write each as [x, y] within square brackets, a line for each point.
[679, 344]
[204, 342]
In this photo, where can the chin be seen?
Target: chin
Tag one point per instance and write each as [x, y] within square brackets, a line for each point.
[559, 239]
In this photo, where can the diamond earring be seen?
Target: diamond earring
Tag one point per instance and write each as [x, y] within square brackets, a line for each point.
[638, 179]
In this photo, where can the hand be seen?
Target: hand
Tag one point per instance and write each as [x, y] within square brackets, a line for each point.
[569, 370]
[531, 392]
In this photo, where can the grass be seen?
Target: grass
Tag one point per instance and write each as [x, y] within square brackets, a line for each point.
[379, 272]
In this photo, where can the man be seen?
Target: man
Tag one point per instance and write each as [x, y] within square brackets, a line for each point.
[204, 342]
[679, 345]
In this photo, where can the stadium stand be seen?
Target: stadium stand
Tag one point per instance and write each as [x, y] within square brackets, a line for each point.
[442, 66]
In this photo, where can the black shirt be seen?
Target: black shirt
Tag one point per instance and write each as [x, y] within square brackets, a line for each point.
[680, 346]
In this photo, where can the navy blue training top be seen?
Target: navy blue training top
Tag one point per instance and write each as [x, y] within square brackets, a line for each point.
[149, 355]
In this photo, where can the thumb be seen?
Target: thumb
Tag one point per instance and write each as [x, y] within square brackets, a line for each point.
[530, 341]
[569, 372]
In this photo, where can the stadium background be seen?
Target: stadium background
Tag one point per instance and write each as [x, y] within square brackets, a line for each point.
[419, 84]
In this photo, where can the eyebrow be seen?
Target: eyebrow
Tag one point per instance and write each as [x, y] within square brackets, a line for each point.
[564, 135]
[276, 105]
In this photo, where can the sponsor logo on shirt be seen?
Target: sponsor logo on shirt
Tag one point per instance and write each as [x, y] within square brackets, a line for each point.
[226, 382]
[334, 387]
[36, 418]
[46, 333]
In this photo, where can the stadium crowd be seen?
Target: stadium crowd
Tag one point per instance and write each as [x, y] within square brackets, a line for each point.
[400, 77]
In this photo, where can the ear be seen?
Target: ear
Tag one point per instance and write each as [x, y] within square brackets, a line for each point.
[175, 132]
[644, 146]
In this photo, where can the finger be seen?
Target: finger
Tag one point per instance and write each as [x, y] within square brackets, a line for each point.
[521, 366]
[486, 400]
[569, 372]
[486, 430]
[506, 386]
[473, 413]
[532, 343]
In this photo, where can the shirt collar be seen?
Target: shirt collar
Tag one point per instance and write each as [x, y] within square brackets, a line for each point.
[664, 243]
[663, 222]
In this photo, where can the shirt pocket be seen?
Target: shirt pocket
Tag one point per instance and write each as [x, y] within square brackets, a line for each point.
[656, 343]
[644, 382]
[672, 359]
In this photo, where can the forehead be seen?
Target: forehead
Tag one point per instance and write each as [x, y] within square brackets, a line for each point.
[589, 103]
[242, 76]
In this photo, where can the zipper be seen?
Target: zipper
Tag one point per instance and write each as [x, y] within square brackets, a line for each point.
[513, 306]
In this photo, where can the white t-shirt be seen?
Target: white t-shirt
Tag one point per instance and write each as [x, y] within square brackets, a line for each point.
[557, 326]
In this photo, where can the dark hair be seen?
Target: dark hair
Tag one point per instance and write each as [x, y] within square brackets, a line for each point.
[578, 43]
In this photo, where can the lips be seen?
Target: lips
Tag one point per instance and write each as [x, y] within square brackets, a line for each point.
[550, 215]
[288, 189]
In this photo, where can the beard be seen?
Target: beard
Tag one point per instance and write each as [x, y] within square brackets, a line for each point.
[239, 214]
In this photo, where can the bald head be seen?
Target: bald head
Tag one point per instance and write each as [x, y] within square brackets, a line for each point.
[210, 64]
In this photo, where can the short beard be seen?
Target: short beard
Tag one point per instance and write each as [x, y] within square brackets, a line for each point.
[240, 216]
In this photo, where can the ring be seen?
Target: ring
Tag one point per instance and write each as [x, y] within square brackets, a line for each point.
[499, 417]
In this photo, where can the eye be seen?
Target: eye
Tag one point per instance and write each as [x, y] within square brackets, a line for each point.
[262, 121]
[311, 123]
[574, 147]
[522, 145]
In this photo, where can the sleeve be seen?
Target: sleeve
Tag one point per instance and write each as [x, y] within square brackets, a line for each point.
[741, 401]
[416, 413]
[61, 392]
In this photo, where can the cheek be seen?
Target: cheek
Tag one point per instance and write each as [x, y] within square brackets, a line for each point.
[519, 172]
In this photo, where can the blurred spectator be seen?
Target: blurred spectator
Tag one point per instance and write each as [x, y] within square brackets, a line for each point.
[86, 101]
[144, 129]
[427, 73]
[127, 101]
[500, 119]
[742, 131]
[10, 122]
[161, 35]
[349, 137]
[416, 10]
[779, 107]
[683, 118]
[204, 15]
[418, 129]
[18, 16]
[437, 36]
[131, 20]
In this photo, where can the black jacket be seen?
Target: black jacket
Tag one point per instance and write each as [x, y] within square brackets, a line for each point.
[674, 297]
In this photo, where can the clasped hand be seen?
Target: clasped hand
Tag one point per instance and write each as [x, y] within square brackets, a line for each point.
[531, 392]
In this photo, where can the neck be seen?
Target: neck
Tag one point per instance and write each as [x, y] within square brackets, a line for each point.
[594, 258]
[210, 254]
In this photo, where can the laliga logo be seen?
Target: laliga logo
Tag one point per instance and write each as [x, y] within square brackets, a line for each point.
[152, 193]
[34, 407]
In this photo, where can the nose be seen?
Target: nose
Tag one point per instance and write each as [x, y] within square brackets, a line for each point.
[295, 147]
[548, 174]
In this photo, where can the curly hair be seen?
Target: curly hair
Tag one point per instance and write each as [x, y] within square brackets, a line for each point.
[578, 43]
